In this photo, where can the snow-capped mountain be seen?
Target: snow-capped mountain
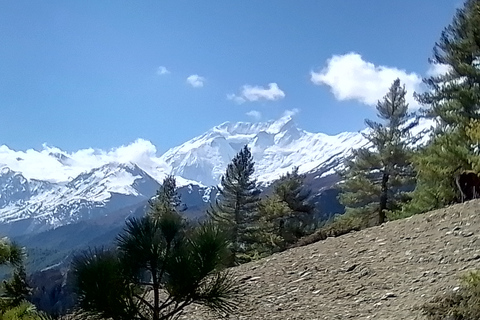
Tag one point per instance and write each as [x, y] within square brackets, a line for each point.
[35, 205]
[50, 188]
[277, 146]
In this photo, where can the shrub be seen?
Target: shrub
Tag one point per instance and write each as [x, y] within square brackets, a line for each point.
[463, 304]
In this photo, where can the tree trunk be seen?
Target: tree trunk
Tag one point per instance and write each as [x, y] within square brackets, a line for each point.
[156, 296]
[383, 199]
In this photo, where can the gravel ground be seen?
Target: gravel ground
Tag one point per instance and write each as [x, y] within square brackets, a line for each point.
[384, 272]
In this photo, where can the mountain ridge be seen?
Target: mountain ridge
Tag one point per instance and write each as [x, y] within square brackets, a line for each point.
[50, 188]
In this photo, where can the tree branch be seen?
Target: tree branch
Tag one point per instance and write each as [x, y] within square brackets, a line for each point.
[148, 304]
[178, 308]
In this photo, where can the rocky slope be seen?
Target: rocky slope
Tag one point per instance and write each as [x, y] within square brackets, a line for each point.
[384, 272]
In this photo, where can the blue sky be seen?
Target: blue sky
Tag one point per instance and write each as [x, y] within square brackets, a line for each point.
[100, 74]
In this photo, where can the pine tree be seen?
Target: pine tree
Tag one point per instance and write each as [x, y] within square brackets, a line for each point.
[16, 290]
[290, 188]
[167, 199]
[271, 238]
[286, 215]
[376, 175]
[13, 291]
[160, 257]
[156, 269]
[236, 208]
[452, 99]
[473, 134]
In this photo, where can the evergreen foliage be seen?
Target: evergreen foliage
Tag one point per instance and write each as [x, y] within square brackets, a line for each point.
[286, 215]
[236, 210]
[24, 311]
[473, 134]
[14, 291]
[159, 266]
[452, 99]
[270, 237]
[10, 253]
[290, 189]
[167, 198]
[375, 178]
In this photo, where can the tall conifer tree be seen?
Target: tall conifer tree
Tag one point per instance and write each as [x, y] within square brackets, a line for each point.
[375, 175]
[290, 188]
[167, 199]
[286, 215]
[453, 101]
[236, 208]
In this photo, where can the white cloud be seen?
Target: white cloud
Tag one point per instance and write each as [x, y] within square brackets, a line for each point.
[237, 99]
[162, 71]
[352, 78]
[256, 115]
[438, 70]
[257, 93]
[45, 164]
[196, 81]
[291, 112]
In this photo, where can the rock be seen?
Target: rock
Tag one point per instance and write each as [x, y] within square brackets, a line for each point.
[244, 278]
[351, 268]
[476, 256]
[388, 295]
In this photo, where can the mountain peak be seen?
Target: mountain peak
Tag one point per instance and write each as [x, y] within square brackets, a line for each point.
[52, 187]
[234, 128]
[252, 128]
[277, 146]
[284, 123]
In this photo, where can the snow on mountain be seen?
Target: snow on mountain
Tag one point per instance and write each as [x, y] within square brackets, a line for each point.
[51, 187]
[40, 205]
[277, 146]
[55, 165]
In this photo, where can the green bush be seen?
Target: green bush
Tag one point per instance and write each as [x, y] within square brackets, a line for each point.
[463, 304]
[24, 311]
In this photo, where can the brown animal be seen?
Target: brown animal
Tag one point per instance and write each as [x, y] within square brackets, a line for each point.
[468, 183]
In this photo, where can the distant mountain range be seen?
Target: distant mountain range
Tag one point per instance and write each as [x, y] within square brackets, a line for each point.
[68, 188]
[55, 203]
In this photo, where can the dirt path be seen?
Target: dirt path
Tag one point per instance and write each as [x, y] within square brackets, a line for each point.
[380, 273]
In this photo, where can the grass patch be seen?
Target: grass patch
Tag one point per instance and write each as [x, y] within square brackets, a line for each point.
[463, 304]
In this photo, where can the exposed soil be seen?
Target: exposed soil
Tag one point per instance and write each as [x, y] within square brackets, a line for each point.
[384, 272]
